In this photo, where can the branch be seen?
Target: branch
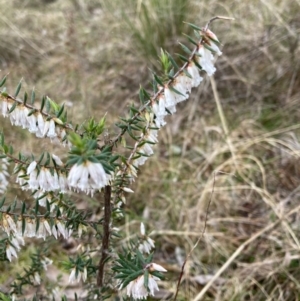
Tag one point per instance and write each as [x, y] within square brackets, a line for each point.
[106, 234]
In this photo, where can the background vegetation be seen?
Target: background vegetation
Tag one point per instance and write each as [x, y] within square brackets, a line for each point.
[93, 55]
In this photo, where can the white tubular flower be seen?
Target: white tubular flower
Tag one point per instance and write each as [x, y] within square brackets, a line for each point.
[194, 72]
[155, 267]
[51, 133]
[147, 243]
[137, 289]
[4, 107]
[44, 180]
[84, 274]
[54, 231]
[47, 226]
[131, 172]
[206, 60]
[16, 241]
[33, 183]
[21, 180]
[46, 127]
[140, 161]
[213, 44]
[185, 83]
[81, 228]
[45, 262]
[11, 251]
[32, 120]
[170, 96]
[171, 99]
[41, 125]
[57, 160]
[63, 183]
[205, 50]
[44, 230]
[143, 230]
[8, 224]
[31, 167]
[182, 85]
[126, 189]
[88, 176]
[37, 278]
[62, 230]
[3, 175]
[145, 149]
[159, 109]
[30, 229]
[80, 275]
[72, 276]
[150, 138]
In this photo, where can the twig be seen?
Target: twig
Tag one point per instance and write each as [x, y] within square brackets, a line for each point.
[198, 241]
[216, 18]
[106, 232]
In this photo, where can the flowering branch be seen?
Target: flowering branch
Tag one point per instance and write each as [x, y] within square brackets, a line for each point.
[90, 168]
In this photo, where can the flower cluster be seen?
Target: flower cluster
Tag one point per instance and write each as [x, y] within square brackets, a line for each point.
[33, 120]
[145, 150]
[137, 288]
[178, 89]
[43, 198]
[88, 177]
[16, 231]
[11, 227]
[13, 246]
[42, 179]
[174, 92]
[3, 175]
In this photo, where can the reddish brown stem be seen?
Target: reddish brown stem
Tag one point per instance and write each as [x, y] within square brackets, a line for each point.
[106, 233]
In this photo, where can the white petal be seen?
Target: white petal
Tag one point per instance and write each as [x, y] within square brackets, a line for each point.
[31, 167]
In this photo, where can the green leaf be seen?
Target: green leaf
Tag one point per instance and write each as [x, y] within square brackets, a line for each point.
[43, 103]
[194, 26]
[158, 80]
[13, 107]
[185, 49]
[191, 40]
[172, 61]
[183, 58]
[32, 96]
[4, 297]
[23, 225]
[3, 81]
[146, 278]
[142, 95]
[40, 159]
[61, 110]
[174, 90]
[23, 208]
[25, 97]
[132, 277]
[18, 88]
[36, 209]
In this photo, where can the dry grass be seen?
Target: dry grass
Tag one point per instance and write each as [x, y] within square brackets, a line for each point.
[241, 129]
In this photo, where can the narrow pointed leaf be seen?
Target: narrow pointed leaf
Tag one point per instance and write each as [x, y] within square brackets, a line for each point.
[18, 89]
